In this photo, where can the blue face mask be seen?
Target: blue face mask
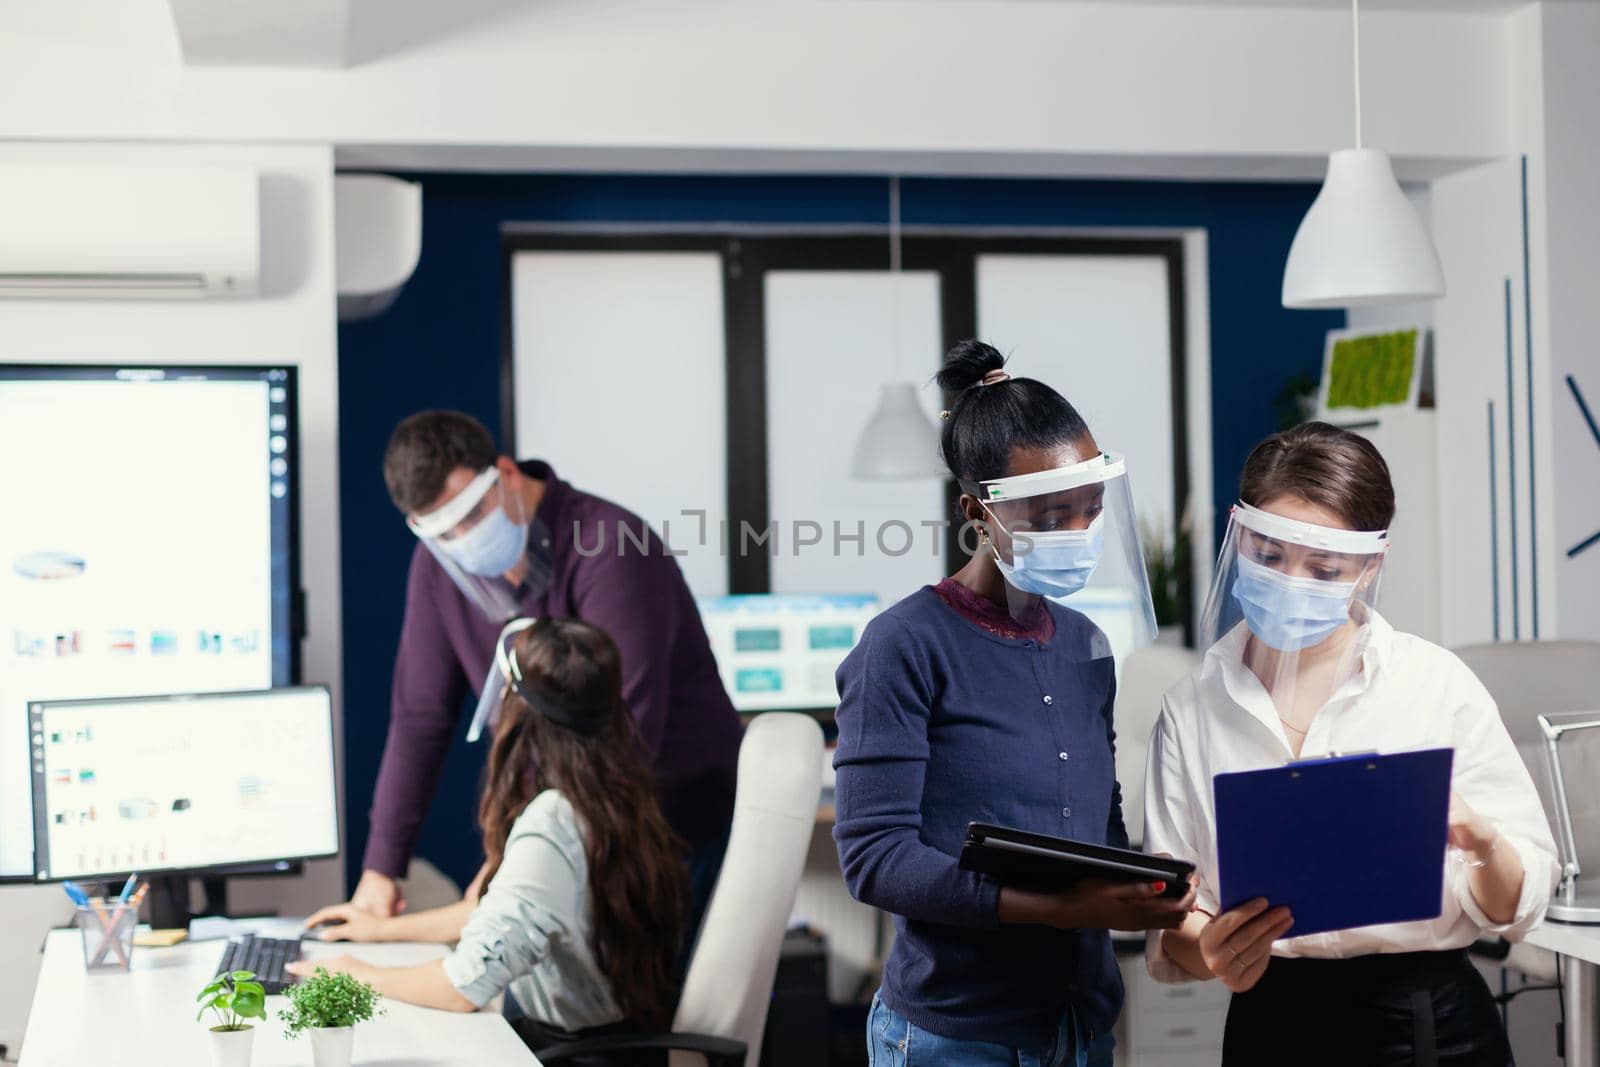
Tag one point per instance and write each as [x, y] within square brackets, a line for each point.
[492, 547]
[1290, 614]
[1056, 563]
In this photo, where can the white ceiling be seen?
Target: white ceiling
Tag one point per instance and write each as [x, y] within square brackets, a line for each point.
[344, 33]
[1499, 7]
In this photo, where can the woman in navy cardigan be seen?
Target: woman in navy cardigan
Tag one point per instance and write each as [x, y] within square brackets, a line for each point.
[980, 699]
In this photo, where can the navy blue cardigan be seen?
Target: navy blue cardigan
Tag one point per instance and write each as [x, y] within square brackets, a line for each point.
[942, 723]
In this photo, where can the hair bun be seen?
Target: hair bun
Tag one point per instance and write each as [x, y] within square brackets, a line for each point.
[966, 364]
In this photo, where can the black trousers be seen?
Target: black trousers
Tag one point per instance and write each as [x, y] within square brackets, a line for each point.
[1427, 1009]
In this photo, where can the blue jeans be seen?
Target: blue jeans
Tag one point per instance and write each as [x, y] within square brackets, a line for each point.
[892, 1041]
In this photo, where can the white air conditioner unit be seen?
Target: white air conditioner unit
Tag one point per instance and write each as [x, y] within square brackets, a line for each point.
[80, 231]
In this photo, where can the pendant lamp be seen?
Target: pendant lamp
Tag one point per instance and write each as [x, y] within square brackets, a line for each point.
[1361, 242]
[899, 442]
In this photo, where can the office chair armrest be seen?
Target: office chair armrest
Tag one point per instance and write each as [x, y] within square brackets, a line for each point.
[1490, 948]
[718, 1051]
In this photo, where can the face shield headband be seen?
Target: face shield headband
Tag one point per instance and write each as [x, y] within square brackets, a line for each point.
[1071, 535]
[505, 674]
[476, 545]
[1293, 583]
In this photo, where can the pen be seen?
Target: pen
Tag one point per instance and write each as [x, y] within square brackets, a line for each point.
[78, 896]
[127, 888]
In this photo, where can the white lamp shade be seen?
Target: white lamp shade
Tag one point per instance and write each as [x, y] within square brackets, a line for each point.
[1361, 242]
[898, 441]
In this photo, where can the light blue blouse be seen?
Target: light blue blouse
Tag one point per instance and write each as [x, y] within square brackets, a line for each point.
[530, 933]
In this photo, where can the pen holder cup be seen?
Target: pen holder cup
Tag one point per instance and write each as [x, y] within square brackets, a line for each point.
[107, 929]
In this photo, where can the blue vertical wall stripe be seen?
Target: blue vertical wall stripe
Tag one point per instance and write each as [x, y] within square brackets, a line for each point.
[1583, 408]
[1594, 431]
[1494, 533]
[439, 346]
[1533, 474]
[1511, 475]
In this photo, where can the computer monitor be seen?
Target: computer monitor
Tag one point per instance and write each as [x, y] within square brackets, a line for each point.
[148, 546]
[193, 784]
[779, 651]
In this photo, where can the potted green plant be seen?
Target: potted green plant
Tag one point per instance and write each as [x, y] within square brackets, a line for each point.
[232, 998]
[1166, 560]
[329, 1006]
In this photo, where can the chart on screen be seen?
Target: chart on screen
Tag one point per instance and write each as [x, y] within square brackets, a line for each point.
[147, 547]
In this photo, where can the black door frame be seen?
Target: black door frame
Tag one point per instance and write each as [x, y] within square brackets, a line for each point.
[748, 252]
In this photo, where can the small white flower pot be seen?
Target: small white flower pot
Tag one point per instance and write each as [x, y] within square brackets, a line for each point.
[231, 1048]
[332, 1046]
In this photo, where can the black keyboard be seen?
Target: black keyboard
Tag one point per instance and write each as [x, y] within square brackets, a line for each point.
[263, 955]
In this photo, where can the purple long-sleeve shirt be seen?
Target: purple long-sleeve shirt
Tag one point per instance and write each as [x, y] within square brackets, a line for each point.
[669, 675]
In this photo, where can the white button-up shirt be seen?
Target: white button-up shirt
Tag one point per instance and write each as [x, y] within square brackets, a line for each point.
[1409, 694]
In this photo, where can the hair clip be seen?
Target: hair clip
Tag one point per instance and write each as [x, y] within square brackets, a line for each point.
[944, 415]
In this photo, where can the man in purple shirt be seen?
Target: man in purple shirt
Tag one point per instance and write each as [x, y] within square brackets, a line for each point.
[499, 539]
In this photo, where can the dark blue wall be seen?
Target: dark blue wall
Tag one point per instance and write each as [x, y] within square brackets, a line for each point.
[440, 346]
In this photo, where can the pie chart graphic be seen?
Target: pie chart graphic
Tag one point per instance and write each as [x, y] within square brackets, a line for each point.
[49, 566]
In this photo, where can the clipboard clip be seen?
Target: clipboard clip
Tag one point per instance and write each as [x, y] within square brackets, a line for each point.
[1328, 756]
[1333, 757]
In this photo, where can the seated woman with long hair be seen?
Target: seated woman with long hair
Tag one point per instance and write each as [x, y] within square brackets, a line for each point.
[583, 875]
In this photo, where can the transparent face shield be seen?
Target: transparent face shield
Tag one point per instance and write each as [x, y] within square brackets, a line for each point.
[1071, 535]
[1294, 602]
[505, 676]
[492, 697]
[477, 536]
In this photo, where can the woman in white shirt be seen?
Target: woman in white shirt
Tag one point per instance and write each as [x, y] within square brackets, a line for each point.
[584, 879]
[1300, 663]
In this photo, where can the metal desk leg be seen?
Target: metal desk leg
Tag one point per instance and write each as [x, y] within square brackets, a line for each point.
[1582, 984]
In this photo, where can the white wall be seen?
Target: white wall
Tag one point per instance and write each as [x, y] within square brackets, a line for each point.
[1478, 219]
[954, 85]
[633, 340]
[1478, 234]
[833, 338]
[292, 322]
[1567, 341]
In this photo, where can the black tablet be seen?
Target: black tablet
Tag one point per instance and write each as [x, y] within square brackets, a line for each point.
[1038, 861]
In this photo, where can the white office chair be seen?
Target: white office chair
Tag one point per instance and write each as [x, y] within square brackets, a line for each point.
[723, 1010]
[1146, 675]
[1528, 679]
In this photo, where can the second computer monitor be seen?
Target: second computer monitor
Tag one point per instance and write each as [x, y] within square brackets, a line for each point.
[780, 651]
[193, 783]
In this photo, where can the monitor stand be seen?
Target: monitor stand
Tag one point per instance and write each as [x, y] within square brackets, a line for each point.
[169, 900]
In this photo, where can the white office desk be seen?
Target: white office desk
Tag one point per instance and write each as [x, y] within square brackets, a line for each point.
[146, 1017]
[1580, 986]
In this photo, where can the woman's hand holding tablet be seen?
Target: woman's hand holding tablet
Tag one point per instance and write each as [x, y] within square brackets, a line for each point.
[1098, 904]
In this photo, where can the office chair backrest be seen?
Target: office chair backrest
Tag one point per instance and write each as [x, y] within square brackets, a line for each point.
[729, 985]
[1146, 675]
[1531, 678]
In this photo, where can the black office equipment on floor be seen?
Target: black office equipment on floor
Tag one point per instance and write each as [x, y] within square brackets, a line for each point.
[799, 1020]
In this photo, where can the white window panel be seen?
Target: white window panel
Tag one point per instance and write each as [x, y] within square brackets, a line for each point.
[620, 384]
[831, 345]
[1097, 329]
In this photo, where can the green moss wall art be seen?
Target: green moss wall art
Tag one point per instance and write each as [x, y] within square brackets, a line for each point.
[1370, 371]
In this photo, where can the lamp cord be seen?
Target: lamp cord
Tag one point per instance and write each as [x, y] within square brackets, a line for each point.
[894, 269]
[894, 224]
[1355, 60]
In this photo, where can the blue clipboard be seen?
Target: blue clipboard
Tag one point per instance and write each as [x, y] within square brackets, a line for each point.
[1344, 842]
